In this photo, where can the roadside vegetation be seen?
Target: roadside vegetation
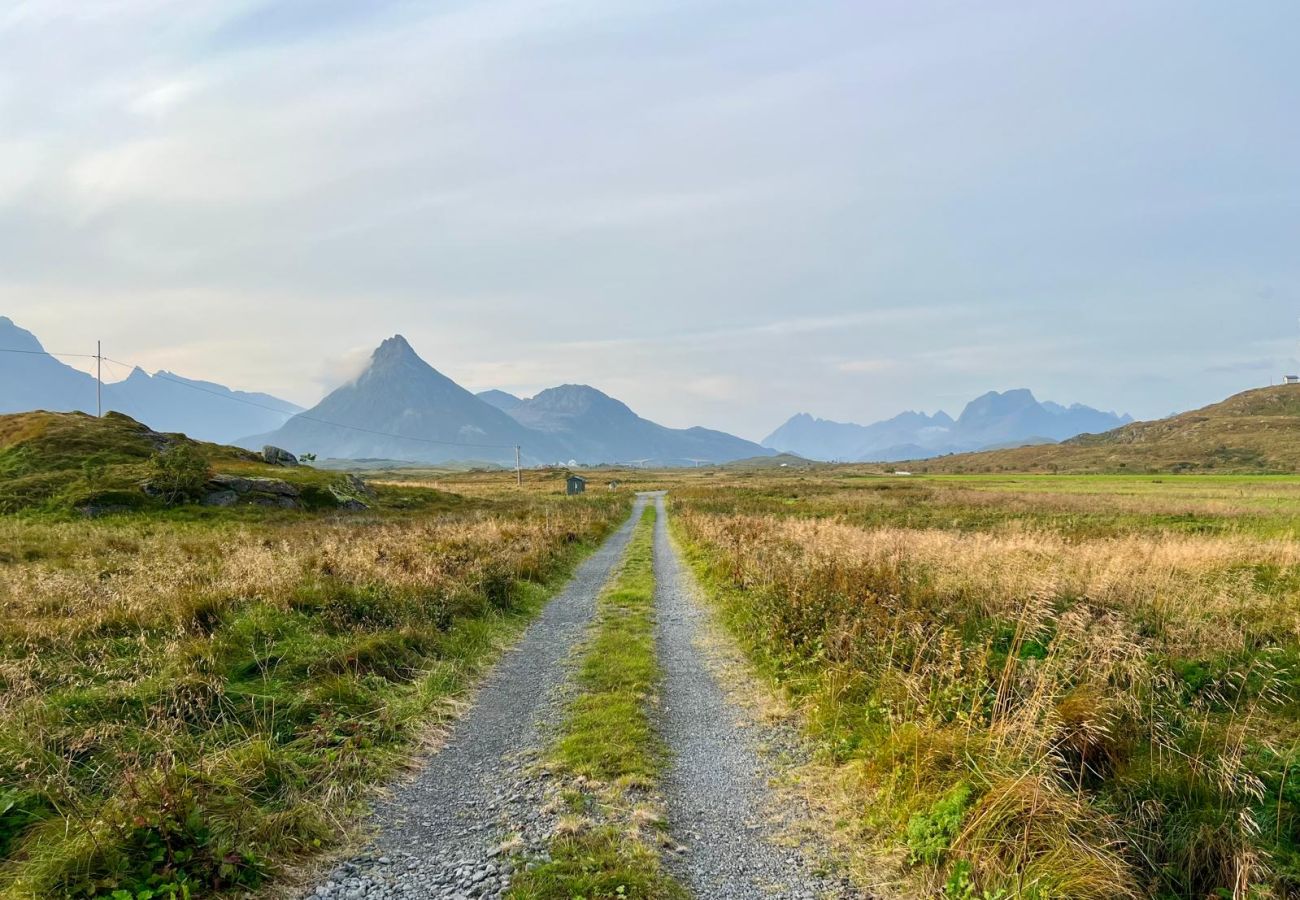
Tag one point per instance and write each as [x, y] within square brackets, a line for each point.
[193, 700]
[608, 757]
[1041, 688]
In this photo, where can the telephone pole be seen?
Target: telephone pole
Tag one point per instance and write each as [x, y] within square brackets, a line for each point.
[99, 378]
[519, 470]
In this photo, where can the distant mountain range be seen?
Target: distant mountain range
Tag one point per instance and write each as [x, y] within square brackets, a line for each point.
[30, 379]
[1007, 419]
[1256, 431]
[595, 426]
[401, 408]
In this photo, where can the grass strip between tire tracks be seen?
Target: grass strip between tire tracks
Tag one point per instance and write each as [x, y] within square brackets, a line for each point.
[608, 755]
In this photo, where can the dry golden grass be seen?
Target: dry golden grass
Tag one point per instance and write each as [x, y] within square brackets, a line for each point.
[1024, 710]
[194, 705]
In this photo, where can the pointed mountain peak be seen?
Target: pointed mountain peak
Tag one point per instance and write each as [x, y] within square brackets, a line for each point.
[395, 347]
[14, 337]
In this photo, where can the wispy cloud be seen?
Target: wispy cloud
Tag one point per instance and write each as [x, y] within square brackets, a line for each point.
[721, 212]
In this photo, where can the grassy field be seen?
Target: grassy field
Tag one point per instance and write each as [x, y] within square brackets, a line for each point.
[193, 701]
[1018, 685]
[1038, 686]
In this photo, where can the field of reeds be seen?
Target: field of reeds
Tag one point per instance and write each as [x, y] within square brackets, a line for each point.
[193, 705]
[1043, 687]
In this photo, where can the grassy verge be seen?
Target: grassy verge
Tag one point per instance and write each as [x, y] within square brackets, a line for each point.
[1021, 714]
[607, 752]
[186, 708]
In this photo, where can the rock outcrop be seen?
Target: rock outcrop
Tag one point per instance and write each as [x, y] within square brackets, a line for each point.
[228, 490]
[278, 456]
[352, 493]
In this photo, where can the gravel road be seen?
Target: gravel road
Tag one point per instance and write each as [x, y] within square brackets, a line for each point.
[439, 835]
[720, 803]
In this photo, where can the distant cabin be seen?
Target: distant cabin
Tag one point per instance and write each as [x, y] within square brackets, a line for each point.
[1291, 379]
[575, 485]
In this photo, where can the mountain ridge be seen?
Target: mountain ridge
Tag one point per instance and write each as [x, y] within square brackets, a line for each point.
[400, 407]
[599, 427]
[34, 379]
[1254, 431]
[991, 419]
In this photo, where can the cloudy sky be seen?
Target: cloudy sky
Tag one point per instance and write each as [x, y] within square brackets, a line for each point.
[720, 211]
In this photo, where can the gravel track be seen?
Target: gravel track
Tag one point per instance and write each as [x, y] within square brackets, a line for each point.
[439, 835]
[720, 803]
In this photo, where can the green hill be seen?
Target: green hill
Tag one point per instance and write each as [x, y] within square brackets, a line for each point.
[1256, 431]
[73, 462]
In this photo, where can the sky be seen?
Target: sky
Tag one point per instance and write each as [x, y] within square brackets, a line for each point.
[720, 212]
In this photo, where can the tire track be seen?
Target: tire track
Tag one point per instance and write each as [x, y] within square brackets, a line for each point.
[720, 803]
[438, 835]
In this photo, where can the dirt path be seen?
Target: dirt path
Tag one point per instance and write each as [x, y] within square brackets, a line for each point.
[720, 803]
[438, 834]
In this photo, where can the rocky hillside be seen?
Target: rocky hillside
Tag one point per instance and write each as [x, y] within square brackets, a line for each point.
[1254, 431]
[73, 462]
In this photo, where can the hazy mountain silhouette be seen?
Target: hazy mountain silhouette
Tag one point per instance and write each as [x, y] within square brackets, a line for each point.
[1255, 431]
[34, 380]
[1010, 418]
[500, 399]
[434, 419]
[598, 428]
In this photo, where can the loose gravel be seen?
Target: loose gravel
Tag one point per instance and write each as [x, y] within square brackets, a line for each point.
[481, 804]
[718, 787]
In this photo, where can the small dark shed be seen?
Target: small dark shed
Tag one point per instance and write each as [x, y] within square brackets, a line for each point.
[575, 485]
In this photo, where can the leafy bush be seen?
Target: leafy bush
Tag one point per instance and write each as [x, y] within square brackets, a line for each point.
[930, 834]
[178, 473]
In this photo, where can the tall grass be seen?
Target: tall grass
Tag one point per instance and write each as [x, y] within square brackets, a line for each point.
[190, 707]
[1030, 713]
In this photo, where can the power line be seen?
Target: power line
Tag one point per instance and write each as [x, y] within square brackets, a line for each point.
[47, 353]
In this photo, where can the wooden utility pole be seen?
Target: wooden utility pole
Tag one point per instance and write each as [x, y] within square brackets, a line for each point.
[519, 470]
[99, 378]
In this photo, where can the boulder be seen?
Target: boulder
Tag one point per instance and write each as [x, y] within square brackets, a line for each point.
[220, 498]
[252, 484]
[278, 456]
[229, 490]
[351, 493]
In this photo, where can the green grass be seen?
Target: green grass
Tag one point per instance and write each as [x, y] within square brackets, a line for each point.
[61, 465]
[606, 732]
[607, 748]
[599, 863]
[1078, 506]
